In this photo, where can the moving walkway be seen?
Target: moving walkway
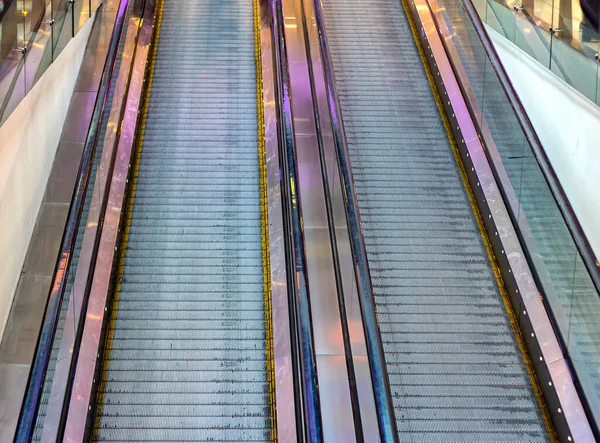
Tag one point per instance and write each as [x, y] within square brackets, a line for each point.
[443, 323]
[277, 237]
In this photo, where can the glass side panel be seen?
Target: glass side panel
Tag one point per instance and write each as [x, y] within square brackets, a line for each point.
[12, 57]
[557, 33]
[109, 5]
[82, 13]
[32, 35]
[63, 26]
[574, 47]
[577, 70]
[39, 54]
[502, 20]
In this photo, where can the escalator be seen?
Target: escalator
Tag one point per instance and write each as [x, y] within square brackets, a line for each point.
[178, 338]
[186, 351]
[455, 368]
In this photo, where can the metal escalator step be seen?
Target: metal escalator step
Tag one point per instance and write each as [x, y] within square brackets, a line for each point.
[186, 359]
[455, 370]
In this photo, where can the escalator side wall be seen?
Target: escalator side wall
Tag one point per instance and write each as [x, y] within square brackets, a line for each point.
[78, 422]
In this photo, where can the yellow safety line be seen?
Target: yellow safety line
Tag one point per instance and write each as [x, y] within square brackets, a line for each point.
[129, 210]
[486, 241]
[264, 209]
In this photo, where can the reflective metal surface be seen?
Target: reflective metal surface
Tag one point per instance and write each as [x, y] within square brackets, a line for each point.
[81, 396]
[533, 318]
[362, 376]
[308, 406]
[284, 383]
[353, 255]
[334, 390]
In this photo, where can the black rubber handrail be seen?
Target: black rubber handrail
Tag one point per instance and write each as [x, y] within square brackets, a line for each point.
[43, 350]
[379, 377]
[562, 201]
[310, 428]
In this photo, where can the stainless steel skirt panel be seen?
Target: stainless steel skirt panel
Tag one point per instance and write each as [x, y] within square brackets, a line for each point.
[454, 365]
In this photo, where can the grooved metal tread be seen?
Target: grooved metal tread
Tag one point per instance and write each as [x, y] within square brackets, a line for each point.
[455, 369]
[187, 356]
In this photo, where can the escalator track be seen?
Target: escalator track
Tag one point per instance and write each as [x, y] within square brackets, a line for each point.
[187, 350]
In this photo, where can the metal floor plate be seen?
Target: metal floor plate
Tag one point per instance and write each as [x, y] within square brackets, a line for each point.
[455, 369]
[187, 353]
